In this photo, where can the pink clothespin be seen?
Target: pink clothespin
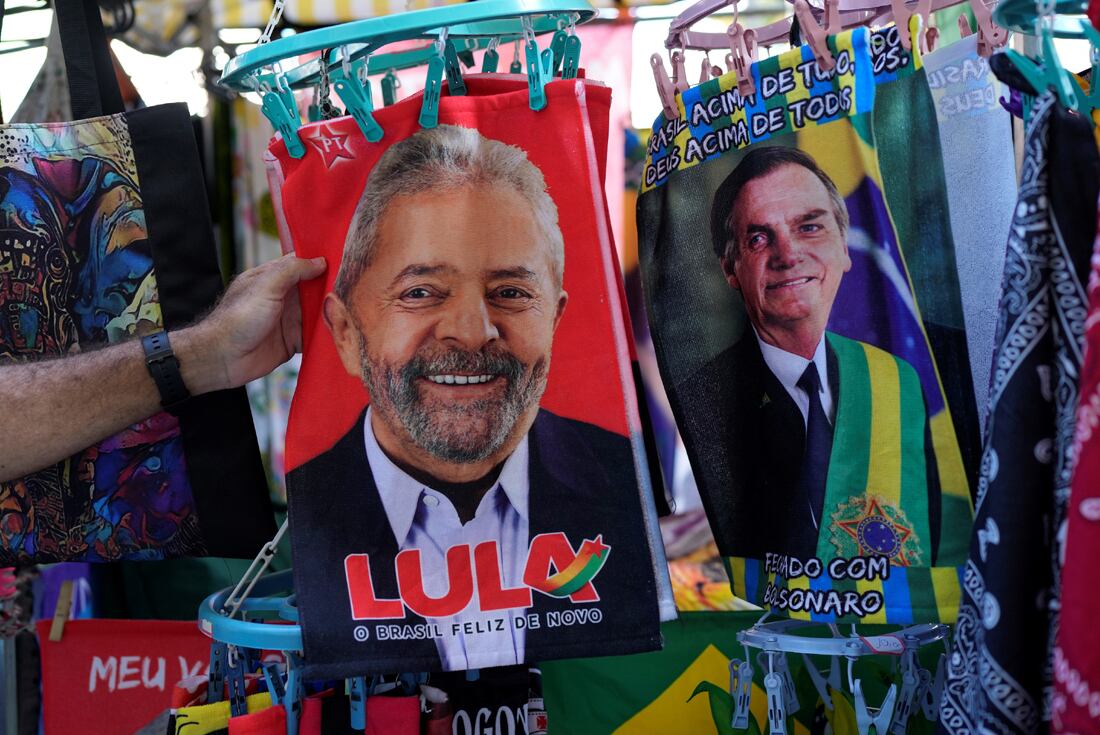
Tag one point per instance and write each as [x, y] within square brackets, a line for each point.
[990, 35]
[679, 71]
[815, 34]
[665, 89]
[742, 57]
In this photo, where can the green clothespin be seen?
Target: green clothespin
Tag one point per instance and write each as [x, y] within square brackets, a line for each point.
[433, 85]
[390, 83]
[1048, 72]
[517, 65]
[540, 67]
[491, 58]
[572, 61]
[455, 86]
[279, 106]
[557, 46]
[354, 90]
[1092, 99]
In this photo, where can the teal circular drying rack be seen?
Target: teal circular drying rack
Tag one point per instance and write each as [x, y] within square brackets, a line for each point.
[481, 19]
[272, 598]
[1021, 16]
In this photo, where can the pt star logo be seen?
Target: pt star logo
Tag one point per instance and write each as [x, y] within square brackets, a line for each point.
[331, 145]
[875, 528]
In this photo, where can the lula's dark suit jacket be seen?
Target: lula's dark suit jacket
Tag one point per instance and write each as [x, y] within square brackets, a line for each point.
[582, 482]
[745, 437]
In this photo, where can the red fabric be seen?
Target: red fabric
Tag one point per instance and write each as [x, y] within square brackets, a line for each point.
[271, 721]
[1076, 702]
[393, 716]
[1094, 12]
[112, 677]
[316, 425]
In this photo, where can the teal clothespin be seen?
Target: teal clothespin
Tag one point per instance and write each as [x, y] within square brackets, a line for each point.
[540, 68]
[491, 58]
[279, 107]
[572, 63]
[557, 46]
[1091, 101]
[455, 86]
[429, 108]
[390, 83]
[354, 92]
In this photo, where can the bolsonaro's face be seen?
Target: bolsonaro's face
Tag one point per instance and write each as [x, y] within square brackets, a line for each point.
[791, 253]
[452, 323]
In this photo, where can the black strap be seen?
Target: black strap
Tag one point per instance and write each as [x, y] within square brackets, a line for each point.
[93, 88]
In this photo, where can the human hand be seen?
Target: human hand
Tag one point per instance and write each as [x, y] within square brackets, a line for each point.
[255, 327]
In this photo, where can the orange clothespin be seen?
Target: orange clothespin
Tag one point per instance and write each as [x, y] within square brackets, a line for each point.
[665, 89]
[815, 34]
[742, 57]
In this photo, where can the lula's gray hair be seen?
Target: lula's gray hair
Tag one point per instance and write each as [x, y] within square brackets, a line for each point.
[441, 158]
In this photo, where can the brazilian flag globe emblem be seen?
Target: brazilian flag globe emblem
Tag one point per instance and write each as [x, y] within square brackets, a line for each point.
[869, 526]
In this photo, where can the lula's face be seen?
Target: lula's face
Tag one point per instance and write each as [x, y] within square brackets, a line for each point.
[791, 253]
[457, 312]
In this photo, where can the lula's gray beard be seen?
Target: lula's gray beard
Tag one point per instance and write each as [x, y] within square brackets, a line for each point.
[445, 431]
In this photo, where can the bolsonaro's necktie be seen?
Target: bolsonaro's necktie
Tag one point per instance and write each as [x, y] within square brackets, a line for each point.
[819, 445]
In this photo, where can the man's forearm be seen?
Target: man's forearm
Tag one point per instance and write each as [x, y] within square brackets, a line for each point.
[52, 409]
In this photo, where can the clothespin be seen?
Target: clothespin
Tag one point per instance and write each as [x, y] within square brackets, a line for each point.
[517, 65]
[742, 58]
[902, 17]
[665, 91]
[910, 692]
[292, 702]
[455, 86]
[679, 72]
[390, 83]
[354, 91]
[279, 106]
[491, 58]
[275, 684]
[357, 696]
[930, 700]
[433, 86]
[815, 34]
[571, 64]
[990, 35]
[557, 45]
[883, 716]
[215, 684]
[540, 67]
[777, 713]
[60, 611]
[234, 677]
[741, 691]
[819, 682]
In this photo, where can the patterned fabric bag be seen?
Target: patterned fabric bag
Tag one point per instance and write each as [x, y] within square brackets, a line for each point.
[106, 237]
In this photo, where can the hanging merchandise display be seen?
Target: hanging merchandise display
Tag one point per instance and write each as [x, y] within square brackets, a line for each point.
[792, 340]
[979, 165]
[1000, 673]
[492, 502]
[108, 239]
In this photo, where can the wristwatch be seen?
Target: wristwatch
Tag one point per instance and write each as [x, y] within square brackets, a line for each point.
[165, 370]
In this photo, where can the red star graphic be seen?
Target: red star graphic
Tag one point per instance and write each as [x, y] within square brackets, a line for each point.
[873, 509]
[331, 145]
[596, 547]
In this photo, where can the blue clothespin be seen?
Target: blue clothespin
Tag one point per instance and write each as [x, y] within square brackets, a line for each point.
[357, 696]
[455, 86]
[215, 685]
[276, 687]
[292, 702]
[390, 83]
[741, 691]
[279, 106]
[354, 91]
[540, 67]
[234, 676]
[491, 58]
[429, 107]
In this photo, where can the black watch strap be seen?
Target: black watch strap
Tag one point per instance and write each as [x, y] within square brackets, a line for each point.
[165, 369]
